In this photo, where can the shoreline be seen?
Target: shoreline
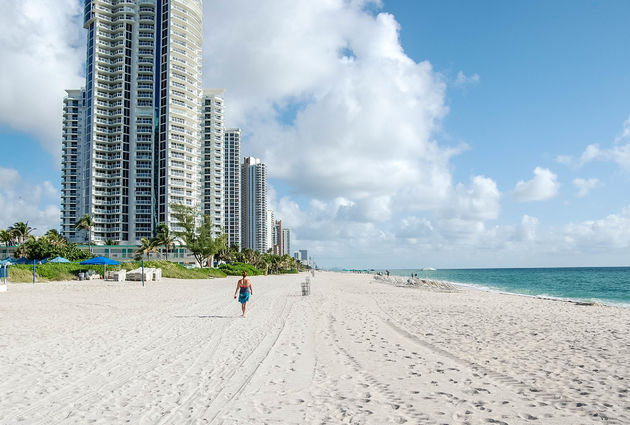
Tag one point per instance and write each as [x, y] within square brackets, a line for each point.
[488, 287]
[577, 301]
[481, 288]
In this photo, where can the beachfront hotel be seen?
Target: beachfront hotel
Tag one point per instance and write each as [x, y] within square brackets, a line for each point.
[232, 186]
[254, 205]
[132, 143]
[213, 159]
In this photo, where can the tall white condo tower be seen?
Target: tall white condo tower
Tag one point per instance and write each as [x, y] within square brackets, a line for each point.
[132, 142]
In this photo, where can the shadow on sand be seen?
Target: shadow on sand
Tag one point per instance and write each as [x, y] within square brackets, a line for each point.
[207, 317]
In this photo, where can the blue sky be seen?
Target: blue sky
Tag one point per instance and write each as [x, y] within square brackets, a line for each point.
[477, 96]
[553, 79]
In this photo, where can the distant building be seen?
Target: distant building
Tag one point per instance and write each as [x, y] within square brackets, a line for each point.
[213, 159]
[303, 255]
[277, 237]
[232, 185]
[254, 205]
[286, 241]
[270, 228]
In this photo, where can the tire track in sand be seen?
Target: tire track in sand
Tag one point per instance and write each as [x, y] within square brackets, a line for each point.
[232, 376]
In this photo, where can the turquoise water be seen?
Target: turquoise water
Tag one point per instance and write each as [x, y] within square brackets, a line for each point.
[607, 284]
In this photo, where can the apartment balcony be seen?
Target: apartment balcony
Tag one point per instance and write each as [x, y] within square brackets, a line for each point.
[106, 211]
[107, 176]
[105, 230]
[102, 202]
[106, 192]
[109, 184]
[106, 220]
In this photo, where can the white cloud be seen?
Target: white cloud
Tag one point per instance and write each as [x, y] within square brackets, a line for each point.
[365, 110]
[479, 201]
[463, 80]
[585, 185]
[528, 228]
[619, 152]
[42, 46]
[543, 186]
[24, 201]
[611, 232]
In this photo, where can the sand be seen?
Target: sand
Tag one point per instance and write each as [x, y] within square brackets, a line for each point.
[355, 351]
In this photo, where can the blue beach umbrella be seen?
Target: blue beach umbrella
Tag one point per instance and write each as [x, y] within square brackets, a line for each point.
[59, 260]
[23, 260]
[104, 261]
[100, 261]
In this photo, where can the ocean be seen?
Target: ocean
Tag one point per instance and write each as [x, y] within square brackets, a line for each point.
[610, 285]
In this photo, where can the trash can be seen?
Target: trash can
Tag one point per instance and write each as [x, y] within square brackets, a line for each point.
[306, 287]
[81, 276]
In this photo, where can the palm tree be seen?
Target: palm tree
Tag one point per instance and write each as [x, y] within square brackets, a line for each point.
[55, 238]
[20, 231]
[110, 241]
[146, 248]
[87, 223]
[164, 237]
[5, 237]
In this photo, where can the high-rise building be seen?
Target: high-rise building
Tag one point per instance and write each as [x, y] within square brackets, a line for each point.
[72, 162]
[213, 159]
[254, 205]
[303, 253]
[277, 238]
[138, 121]
[286, 242]
[232, 186]
[270, 226]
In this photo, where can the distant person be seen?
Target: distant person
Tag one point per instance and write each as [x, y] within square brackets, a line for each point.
[387, 271]
[244, 289]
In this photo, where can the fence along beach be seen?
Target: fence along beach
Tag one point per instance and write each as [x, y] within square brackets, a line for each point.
[356, 350]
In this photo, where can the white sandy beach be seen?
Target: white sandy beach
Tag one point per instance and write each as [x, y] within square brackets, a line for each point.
[354, 351]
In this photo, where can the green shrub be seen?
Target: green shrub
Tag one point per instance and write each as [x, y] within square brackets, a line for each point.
[236, 269]
[70, 271]
[41, 248]
[49, 271]
[174, 270]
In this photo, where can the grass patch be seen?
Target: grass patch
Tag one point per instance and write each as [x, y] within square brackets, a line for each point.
[174, 270]
[70, 271]
[48, 272]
